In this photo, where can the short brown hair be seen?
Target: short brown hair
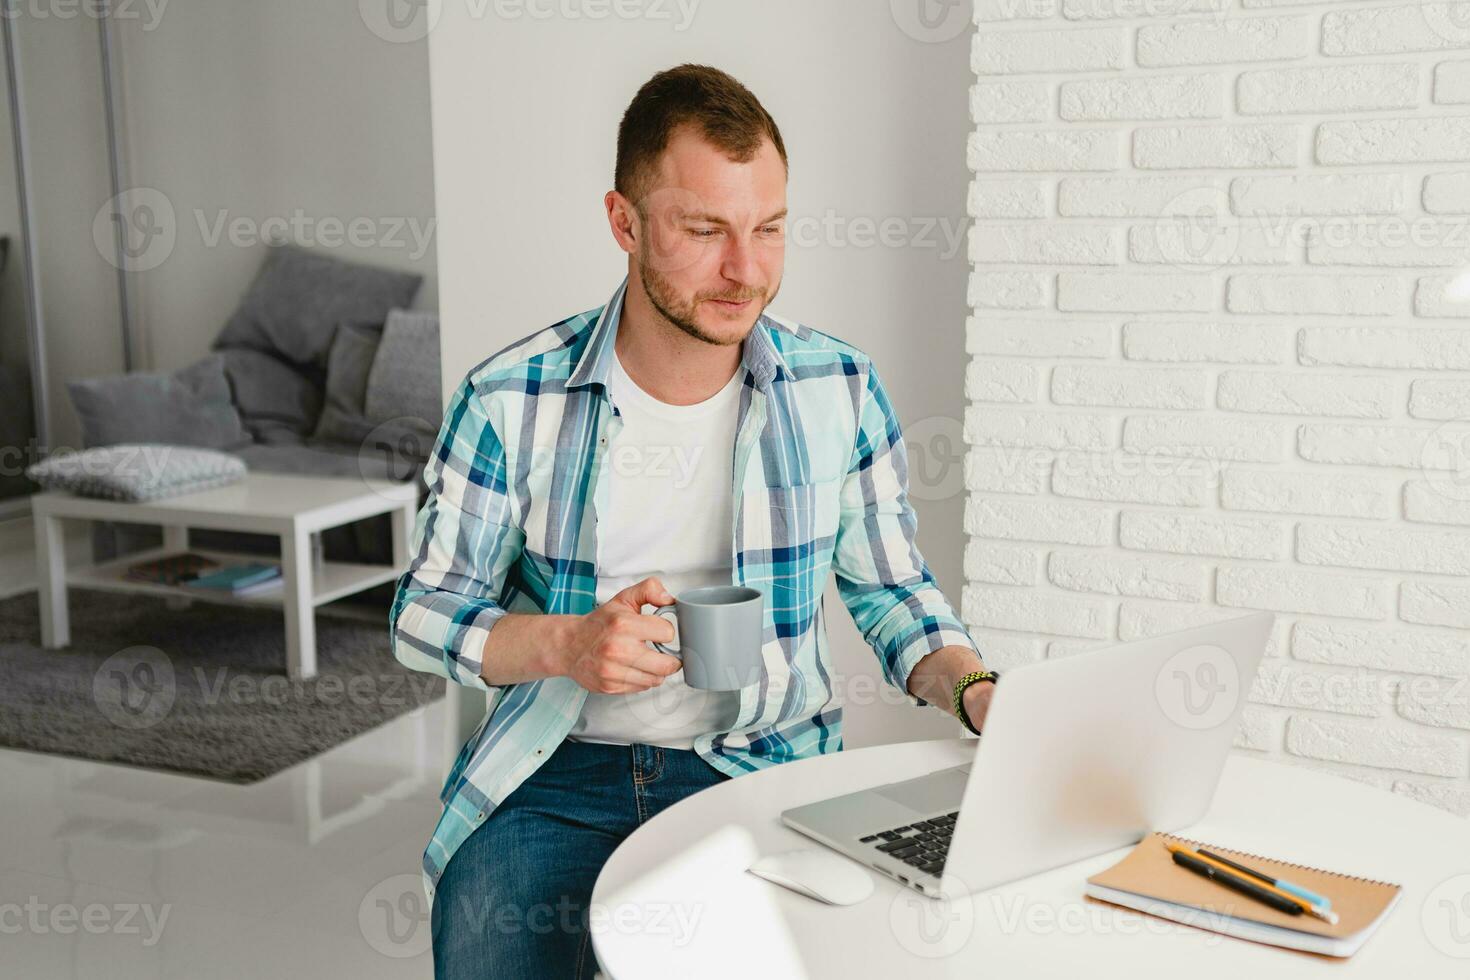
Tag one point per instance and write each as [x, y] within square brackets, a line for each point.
[725, 112]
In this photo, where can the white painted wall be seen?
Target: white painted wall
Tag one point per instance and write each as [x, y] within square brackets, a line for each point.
[1178, 410]
[267, 115]
[525, 123]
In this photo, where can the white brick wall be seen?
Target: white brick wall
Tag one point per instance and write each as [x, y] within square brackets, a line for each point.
[1212, 366]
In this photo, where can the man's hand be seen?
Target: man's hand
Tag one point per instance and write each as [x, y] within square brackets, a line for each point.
[605, 650]
[976, 702]
[934, 677]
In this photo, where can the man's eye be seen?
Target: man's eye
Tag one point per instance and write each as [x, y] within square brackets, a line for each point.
[772, 229]
[705, 232]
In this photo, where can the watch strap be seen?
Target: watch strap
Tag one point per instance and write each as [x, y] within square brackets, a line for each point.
[973, 677]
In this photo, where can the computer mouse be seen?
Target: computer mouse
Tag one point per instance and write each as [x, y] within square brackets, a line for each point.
[817, 873]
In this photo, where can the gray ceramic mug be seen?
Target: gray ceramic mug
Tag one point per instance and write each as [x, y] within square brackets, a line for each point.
[719, 629]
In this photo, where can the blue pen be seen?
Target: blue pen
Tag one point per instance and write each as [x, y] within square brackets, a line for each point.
[1322, 903]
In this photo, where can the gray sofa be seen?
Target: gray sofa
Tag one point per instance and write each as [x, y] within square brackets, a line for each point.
[320, 371]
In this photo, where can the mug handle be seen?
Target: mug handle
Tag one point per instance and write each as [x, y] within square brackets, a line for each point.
[672, 617]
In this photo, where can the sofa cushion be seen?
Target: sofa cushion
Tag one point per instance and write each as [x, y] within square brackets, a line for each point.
[299, 297]
[191, 407]
[404, 381]
[137, 472]
[344, 416]
[274, 398]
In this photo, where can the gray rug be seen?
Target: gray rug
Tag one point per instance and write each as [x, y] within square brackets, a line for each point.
[201, 690]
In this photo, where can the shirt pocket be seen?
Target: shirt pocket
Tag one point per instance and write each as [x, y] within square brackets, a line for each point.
[804, 516]
[790, 535]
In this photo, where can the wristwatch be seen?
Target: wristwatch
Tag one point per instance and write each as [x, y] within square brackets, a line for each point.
[974, 677]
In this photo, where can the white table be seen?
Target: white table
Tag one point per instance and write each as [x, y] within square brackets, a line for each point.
[294, 508]
[674, 899]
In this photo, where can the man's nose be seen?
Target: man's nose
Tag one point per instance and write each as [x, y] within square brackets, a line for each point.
[740, 263]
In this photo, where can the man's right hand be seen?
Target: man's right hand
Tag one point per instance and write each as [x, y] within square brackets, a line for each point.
[606, 649]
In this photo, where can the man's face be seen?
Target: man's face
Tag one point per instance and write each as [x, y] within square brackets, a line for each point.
[713, 230]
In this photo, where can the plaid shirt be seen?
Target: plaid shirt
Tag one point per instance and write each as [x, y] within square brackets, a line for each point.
[509, 525]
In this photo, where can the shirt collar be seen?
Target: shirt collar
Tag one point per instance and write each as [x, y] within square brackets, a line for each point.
[758, 353]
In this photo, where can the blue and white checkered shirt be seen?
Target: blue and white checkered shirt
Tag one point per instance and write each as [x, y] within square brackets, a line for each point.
[509, 525]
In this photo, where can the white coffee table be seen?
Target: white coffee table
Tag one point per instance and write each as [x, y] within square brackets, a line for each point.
[295, 508]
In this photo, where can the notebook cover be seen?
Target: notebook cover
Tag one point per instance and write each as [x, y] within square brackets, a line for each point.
[237, 577]
[1149, 870]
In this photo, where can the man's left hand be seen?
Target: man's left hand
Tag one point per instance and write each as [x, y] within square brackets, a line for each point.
[976, 702]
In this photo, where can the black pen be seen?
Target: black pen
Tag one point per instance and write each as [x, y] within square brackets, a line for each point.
[1241, 884]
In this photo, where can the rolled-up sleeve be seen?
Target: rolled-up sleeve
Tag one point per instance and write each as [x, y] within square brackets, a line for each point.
[882, 579]
[466, 539]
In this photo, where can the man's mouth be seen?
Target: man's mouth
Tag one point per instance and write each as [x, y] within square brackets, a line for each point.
[731, 306]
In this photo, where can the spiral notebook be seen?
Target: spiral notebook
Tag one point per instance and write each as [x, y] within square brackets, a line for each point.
[1148, 880]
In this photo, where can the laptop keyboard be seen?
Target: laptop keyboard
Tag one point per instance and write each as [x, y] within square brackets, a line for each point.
[922, 844]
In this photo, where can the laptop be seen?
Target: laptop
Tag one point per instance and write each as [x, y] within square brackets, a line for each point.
[1080, 755]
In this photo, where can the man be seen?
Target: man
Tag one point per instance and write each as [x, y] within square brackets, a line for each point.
[678, 436]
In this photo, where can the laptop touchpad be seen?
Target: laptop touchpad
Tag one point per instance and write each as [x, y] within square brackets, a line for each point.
[943, 790]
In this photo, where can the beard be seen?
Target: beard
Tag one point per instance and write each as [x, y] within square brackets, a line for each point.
[681, 313]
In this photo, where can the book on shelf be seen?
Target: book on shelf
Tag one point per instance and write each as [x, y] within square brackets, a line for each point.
[243, 579]
[171, 569]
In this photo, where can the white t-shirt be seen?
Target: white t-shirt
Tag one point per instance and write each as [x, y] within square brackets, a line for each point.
[670, 515]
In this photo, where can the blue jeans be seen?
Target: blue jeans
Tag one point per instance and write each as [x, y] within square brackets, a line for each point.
[513, 900]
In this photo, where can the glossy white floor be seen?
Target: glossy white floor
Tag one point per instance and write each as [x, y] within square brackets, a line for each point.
[107, 871]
